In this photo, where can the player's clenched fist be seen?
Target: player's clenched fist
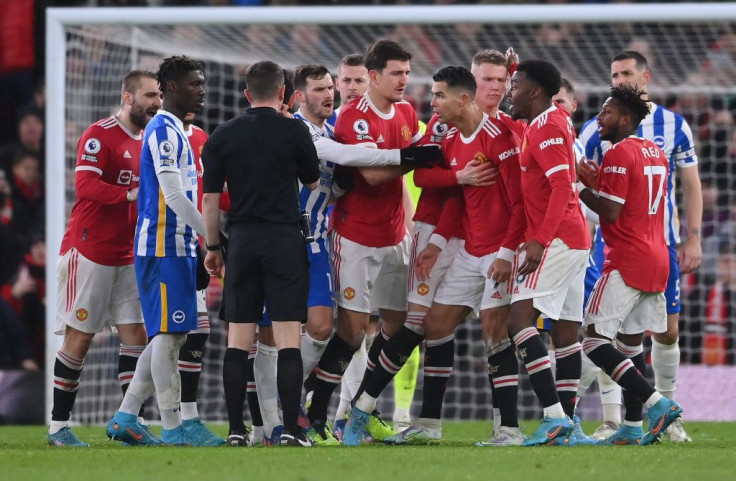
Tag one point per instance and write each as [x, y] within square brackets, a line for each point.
[588, 173]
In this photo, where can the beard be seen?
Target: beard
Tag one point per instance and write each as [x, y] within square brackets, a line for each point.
[138, 116]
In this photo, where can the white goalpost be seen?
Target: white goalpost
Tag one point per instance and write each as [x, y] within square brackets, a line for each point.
[692, 49]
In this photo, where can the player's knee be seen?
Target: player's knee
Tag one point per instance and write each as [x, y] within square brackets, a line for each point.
[668, 338]
[133, 334]
[76, 343]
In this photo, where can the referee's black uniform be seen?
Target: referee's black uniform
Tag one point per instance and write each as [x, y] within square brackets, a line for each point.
[262, 154]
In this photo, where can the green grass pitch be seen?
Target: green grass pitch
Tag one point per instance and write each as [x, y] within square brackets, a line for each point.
[24, 456]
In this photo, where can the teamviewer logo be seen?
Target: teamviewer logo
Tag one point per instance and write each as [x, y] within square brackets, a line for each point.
[124, 177]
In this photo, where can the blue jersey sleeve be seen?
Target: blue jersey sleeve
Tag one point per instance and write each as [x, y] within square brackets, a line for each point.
[684, 152]
[591, 140]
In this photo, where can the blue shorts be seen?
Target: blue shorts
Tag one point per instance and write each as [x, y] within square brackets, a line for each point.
[672, 293]
[167, 286]
[320, 282]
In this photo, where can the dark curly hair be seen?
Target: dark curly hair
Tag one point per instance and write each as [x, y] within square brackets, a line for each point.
[629, 99]
[175, 68]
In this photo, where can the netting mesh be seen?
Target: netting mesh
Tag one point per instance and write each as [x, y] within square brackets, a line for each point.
[693, 68]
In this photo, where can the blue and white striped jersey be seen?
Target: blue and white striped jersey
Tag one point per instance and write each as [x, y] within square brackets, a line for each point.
[316, 201]
[159, 233]
[670, 132]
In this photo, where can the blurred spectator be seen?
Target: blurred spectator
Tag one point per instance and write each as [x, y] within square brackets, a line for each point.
[425, 50]
[720, 64]
[720, 311]
[27, 194]
[15, 350]
[25, 291]
[30, 138]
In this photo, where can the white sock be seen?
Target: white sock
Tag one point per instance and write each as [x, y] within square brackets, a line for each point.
[552, 361]
[400, 414]
[141, 386]
[635, 424]
[57, 426]
[257, 435]
[351, 380]
[189, 411]
[554, 411]
[653, 399]
[264, 369]
[366, 402]
[587, 375]
[496, 420]
[166, 378]
[312, 350]
[430, 423]
[610, 398]
[665, 364]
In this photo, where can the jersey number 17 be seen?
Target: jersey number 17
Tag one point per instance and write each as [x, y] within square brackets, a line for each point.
[652, 171]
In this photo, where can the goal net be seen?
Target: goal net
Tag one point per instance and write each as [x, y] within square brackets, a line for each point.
[691, 50]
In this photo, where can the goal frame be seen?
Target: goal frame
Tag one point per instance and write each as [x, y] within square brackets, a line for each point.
[58, 18]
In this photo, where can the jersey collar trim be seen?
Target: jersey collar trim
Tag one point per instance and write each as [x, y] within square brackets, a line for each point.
[373, 107]
[172, 117]
[549, 110]
[130, 134]
[467, 140]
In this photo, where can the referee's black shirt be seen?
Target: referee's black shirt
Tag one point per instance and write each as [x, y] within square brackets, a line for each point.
[260, 154]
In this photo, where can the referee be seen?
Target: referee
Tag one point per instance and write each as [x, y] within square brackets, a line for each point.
[262, 155]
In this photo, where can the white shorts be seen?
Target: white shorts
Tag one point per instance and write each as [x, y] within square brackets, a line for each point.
[423, 292]
[466, 284]
[614, 307]
[91, 296]
[557, 285]
[369, 278]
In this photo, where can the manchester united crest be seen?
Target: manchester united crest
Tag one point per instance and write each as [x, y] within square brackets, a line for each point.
[82, 314]
[348, 293]
[406, 133]
[481, 157]
[422, 289]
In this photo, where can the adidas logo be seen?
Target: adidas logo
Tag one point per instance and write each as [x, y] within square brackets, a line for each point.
[496, 295]
[516, 290]
[380, 139]
[453, 162]
[127, 155]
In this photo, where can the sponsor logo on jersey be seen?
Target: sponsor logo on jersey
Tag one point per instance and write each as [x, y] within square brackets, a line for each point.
[125, 176]
[439, 129]
[166, 148]
[380, 139]
[659, 141]
[92, 146]
[552, 141]
[614, 169]
[496, 295]
[423, 289]
[480, 157]
[348, 293]
[127, 155]
[508, 154]
[82, 314]
[89, 158]
[405, 132]
[178, 316]
[453, 162]
[361, 128]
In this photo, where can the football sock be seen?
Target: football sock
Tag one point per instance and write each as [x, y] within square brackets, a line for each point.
[568, 376]
[67, 370]
[619, 367]
[265, 370]
[439, 358]
[311, 350]
[373, 353]
[289, 379]
[588, 372]
[504, 369]
[127, 360]
[190, 369]
[253, 405]
[396, 351]
[351, 380]
[633, 403]
[534, 356]
[665, 364]
[141, 386]
[234, 380]
[166, 379]
[330, 369]
[610, 398]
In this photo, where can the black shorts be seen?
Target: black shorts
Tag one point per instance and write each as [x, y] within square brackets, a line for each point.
[266, 262]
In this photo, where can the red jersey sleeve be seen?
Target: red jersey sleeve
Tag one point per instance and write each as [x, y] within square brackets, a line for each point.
[614, 176]
[450, 223]
[92, 158]
[506, 151]
[435, 132]
[352, 127]
[552, 150]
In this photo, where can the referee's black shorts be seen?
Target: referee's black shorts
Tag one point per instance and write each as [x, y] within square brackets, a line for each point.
[266, 262]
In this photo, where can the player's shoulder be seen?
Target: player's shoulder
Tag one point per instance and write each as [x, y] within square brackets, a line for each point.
[405, 108]
[106, 127]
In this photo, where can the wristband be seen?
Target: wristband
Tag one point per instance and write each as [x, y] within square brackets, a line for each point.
[215, 247]
[127, 195]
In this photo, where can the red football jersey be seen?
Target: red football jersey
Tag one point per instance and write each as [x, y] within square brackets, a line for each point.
[547, 182]
[494, 214]
[516, 126]
[634, 173]
[373, 216]
[431, 200]
[102, 223]
[197, 137]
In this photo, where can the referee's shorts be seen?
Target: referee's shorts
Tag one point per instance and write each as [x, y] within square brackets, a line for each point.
[268, 263]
